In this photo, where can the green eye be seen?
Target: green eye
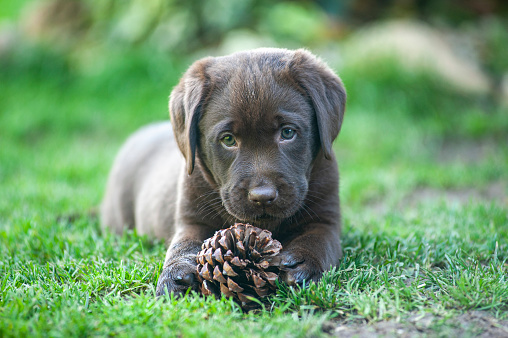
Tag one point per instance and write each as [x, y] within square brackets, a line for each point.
[228, 140]
[287, 133]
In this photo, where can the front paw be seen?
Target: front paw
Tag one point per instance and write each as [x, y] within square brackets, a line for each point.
[298, 265]
[177, 277]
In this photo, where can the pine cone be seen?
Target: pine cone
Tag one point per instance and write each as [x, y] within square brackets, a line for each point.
[239, 262]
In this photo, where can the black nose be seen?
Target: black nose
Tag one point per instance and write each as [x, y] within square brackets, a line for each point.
[262, 196]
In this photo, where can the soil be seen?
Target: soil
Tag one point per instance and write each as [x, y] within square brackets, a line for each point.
[470, 324]
[494, 192]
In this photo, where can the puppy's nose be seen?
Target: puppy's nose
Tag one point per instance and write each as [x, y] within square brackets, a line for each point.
[262, 195]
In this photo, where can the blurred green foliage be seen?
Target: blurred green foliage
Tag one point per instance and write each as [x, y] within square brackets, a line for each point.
[494, 44]
[36, 61]
[384, 88]
[133, 49]
[11, 10]
[118, 49]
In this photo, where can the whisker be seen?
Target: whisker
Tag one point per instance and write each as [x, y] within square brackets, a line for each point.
[309, 196]
[207, 204]
[308, 213]
[211, 209]
[308, 208]
[206, 194]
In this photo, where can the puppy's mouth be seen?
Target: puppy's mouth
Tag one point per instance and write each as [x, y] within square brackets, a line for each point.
[265, 216]
[262, 216]
[263, 220]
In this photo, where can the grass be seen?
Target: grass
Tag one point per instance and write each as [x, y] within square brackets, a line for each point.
[423, 232]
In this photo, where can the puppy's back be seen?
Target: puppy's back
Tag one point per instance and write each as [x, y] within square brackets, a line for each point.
[147, 160]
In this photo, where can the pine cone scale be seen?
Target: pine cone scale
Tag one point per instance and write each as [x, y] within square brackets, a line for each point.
[239, 262]
[218, 276]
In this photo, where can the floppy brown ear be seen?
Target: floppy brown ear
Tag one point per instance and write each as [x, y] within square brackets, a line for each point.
[326, 92]
[185, 104]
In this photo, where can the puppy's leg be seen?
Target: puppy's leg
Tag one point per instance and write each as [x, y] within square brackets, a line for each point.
[179, 272]
[308, 255]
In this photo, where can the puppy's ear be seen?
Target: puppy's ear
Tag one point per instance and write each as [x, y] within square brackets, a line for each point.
[185, 105]
[326, 92]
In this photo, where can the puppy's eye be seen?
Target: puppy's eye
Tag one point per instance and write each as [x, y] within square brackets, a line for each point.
[228, 140]
[287, 133]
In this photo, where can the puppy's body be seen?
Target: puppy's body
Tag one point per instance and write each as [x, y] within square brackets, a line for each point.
[255, 130]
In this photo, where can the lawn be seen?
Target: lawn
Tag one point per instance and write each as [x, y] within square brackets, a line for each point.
[424, 189]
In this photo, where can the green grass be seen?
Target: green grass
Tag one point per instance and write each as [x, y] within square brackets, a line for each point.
[61, 124]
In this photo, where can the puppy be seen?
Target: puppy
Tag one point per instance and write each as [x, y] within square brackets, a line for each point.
[255, 130]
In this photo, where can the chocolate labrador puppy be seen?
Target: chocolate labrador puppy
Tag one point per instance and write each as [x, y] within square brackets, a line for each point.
[255, 130]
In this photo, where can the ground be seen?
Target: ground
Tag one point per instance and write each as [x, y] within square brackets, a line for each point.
[470, 324]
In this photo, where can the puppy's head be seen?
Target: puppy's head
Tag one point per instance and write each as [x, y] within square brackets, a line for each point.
[256, 121]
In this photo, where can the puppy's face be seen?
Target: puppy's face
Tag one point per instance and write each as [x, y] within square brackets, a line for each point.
[258, 137]
[256, 121]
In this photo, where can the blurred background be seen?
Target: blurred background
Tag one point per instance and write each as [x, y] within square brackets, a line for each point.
[427, 84]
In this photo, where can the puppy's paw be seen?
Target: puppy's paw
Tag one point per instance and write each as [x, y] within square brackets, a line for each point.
[298, 265]
[177, 277]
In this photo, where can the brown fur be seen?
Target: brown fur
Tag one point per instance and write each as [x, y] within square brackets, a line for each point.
[286, 185]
